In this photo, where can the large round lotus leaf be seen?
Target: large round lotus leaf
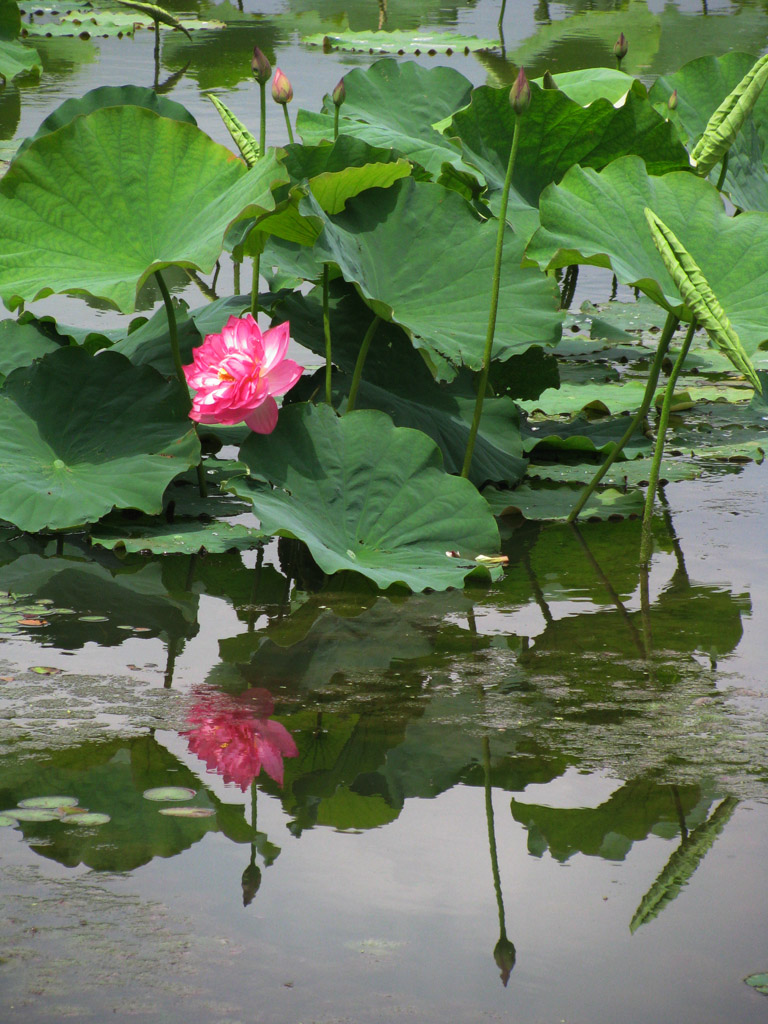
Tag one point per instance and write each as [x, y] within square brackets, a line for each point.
[70, 447]
[99, 205]
[394, 105]
[557, 133]
[598, 219]
[366, 496]
[701, 87]
[108, 96]
[420, 256]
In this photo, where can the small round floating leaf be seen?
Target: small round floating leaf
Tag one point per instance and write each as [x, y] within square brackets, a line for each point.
[163, 793]
[758, 982]
[6, 819]
[188, 812]
[93, 618]
[86, 818]
[49, 802]
[33, 814]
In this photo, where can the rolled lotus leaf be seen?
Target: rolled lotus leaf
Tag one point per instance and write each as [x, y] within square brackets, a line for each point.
[726, 122]
[247, 143]
[699, 297]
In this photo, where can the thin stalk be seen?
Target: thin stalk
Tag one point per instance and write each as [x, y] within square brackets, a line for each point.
[255, 285]
[157, 53]
[501, 15]
[723, 171]
[653, 378]
[263, 118]
[236, 275]
[358, 372]
[287, 122]
[327, 330]
[496, 284]
[173, 335]
[653, 476]
[336, 122]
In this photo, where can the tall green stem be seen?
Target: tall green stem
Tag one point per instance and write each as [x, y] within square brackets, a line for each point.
[236, 275]
[723, 171]
[327, 333]
[650, 388]
[263, 118]
[255, 285]
[287, 122]
[173, 335]
[483, 380]
[653, 477]
[335, 123]
[358, 372]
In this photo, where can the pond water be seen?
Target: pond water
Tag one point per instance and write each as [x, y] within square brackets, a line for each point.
[539, 800]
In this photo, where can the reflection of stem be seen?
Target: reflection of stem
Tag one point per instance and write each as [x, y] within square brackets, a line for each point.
[495, 287]
[170, 661]
[327, 328]
[653, 377]
[255, 589]
[645, 618]
[617, 602]
[538, 593]
[676, 546]
[504, 952]
[653, 476]
[680, 812]
[358, 371]
[209, 291]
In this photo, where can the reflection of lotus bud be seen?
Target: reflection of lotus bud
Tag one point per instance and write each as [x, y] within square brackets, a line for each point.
[282, 91]
[260, 66]
[251, 881]
[672, 101]
[504, 955]
[339, 94]
[620, 47]
[548, 81]
[520, 94]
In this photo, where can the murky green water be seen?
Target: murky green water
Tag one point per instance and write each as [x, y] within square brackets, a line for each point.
[540, 801]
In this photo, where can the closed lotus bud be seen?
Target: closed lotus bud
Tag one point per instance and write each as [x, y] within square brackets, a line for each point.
[339, 94]
[260, 66]
[672, 101]
[548, 81]
[520, 94]
[620, 47]
[282, 90]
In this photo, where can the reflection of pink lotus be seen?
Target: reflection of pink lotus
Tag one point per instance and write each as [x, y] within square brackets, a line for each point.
[236, 373]
[235, 738]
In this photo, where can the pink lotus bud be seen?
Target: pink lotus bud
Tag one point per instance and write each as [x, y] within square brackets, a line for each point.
[282, 90]
[620, 47]
[520, 94]
[339, 94]
[672, 101]
[260, 66]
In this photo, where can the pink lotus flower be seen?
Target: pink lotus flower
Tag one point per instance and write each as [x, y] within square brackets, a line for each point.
[235, 738]
[237, 373]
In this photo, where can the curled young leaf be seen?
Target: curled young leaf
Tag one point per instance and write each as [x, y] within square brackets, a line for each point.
[247, 143]
[699, 297]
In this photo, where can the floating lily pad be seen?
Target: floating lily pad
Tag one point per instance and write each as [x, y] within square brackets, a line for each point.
[32, 814]
[759, 982]
[555, 503]
[400, 42]
[86, 818]
[366, 496]
[163, 793]
[49, 802]
[188, 812]
[180, 537]
[6, 820]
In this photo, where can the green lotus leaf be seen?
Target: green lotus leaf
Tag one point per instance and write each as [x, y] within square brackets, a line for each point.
[441, 293]
[180, 537]
[109, 96]
[555, 502]
[70, 204]
[17, 59]
[150, 344]
[366, 496]
[393, 105]
[590, 84]
[581, 434]
[22, 343]
[400, 42]
[69, 448]
[701, 86]
[557, 133]
[598, 219]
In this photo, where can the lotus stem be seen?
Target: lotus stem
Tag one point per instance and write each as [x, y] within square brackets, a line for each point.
[255, 285]
[358, 372]
[653, 478]
[263, 118]
[495, 286]
[287, 122]
[335, 123]
[501, 13]
[157, 52]
[670, 327]
[173, 335]
[327, 331]
[723, 171]
[236, 275]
